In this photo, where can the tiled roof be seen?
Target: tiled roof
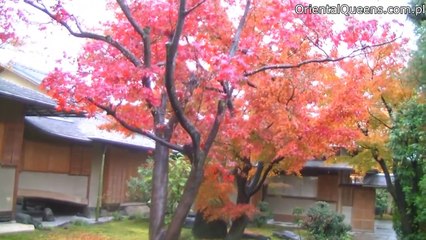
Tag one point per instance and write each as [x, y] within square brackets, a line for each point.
[376, 180]
[90, 127]
[86, 130]
[324, 165]
[56, 127]
[32, 75]
[27, 96]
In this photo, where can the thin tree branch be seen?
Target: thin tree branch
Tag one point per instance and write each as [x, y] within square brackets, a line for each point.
[364, 130]
[388, 107]
[194, 7]
[322, 60]
[237, 36]
[255, 179]
[316, 44]
[293, 93]
[88, 35]
[378, 119]
[251, 84]
[382, 163]
[265, 174]
[215, 128]
[126, 125]
[172, 49]
[144, 33]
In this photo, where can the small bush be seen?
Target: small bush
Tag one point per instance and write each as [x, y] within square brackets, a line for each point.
[140, 217]
[263, 215]
[381, 202]
[325, 224]
[139, 188]
[79, 222]
[117, 216]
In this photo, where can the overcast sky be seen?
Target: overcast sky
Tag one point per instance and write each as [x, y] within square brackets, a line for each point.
[43, 48]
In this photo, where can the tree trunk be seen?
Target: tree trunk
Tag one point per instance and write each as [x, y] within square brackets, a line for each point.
[238, 226]
[191, 189]
[395, 189]
[159, 192]
[406, 217]
[203, 229]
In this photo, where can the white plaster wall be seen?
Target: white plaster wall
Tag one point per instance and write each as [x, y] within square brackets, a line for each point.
[7, 181]
[54, 182]
[347, 211]
[283, 205]
[293, 186]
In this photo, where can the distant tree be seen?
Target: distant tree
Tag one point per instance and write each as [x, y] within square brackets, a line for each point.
[408, 146]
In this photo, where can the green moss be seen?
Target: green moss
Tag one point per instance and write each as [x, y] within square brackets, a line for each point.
[126, 230]
[115, 230]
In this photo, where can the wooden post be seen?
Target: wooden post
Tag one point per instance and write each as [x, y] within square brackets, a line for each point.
[101, 184]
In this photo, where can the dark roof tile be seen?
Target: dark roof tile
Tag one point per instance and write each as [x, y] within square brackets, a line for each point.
[57, 127]
[86, 130]
[25, 95]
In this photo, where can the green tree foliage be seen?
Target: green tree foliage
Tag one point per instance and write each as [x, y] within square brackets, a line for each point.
[263, 215]
[417, 69]
[381, 202]
[140, 186]
[408, 145]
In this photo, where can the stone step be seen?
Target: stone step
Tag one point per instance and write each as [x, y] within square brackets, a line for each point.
[13, 227]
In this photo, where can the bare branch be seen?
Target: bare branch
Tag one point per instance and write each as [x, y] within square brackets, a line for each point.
[215, 128]
[293, 93]
[322, 60]
[236, 39]
[378, 119]
[113, 113]
[383, 165]
[316, 44]
[265, 174]
[144, 33]
[253, 183]
[88, 35]
[251, 84]
[388, 107]
[364, 130]
[172, 49]
[194, 7]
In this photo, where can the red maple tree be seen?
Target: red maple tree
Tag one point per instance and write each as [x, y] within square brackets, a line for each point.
[182, 72]
[284, 118]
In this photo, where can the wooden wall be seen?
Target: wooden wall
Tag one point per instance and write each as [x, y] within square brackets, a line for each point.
[364, 201]
[327, 188]
[11, 132]
[120, 165]
[56, 157]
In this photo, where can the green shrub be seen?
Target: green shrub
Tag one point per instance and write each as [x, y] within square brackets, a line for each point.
[117, 216]
[298, 218]
[263, 215]
[79, 222]
[139, 188]
[325, 224]
[139, 217]
[381, 202]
